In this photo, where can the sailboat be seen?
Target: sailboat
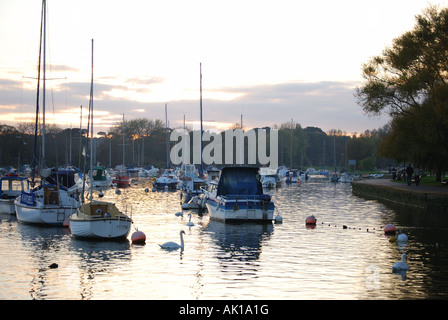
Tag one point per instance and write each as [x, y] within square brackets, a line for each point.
[121, 179]
[98, 219]
[169, 179]
[335, 176]
[48, 204]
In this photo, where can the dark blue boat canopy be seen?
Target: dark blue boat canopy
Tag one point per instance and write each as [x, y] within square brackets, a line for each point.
[239, 181]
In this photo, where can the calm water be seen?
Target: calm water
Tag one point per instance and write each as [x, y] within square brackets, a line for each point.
[227, 261]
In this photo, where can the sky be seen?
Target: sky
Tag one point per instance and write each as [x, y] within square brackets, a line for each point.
[270, 62]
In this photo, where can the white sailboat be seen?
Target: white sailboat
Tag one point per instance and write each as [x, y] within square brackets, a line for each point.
[47, 204]
[98, 219]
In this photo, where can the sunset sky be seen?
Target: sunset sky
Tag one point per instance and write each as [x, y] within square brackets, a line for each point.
[270, 61]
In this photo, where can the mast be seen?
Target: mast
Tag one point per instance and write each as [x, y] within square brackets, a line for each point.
[201, 169]
[91, 128]
[44, 78]
[80, 136]
[122, 131]
[37, 93]
[167, 139]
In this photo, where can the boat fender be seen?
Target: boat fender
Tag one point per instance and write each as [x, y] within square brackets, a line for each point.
[278, 219]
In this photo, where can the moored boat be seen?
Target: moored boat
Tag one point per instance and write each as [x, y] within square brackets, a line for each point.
[238, 196]
[168, 180]
[69, 177]
[100, 177]
[11, 186]
[46, 204]
[121, 180]
[100, 219]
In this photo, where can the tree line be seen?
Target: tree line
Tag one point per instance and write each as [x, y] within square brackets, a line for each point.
[142, 142]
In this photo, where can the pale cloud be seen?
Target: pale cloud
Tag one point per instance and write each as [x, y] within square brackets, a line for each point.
[325, 104]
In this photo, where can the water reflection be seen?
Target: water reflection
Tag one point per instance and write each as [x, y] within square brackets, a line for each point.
[97, 258]
[238, 242]
[235, 261]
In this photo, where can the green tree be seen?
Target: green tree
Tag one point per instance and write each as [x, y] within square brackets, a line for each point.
[409, 82]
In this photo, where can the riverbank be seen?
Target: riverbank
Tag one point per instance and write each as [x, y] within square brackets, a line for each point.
[388, 191]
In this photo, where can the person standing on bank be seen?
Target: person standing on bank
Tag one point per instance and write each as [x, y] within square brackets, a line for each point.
[409, 172]
[417, 176]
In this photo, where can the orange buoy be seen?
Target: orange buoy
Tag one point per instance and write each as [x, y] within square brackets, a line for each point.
[390, 229]
[311, 220]
[138, 237]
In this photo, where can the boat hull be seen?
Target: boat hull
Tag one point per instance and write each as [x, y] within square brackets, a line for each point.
[166, 185]
[7, 206]
[102, 183]
[47, 205]
[240, 210]
[48, 215]
[100, 228]
[122, 182]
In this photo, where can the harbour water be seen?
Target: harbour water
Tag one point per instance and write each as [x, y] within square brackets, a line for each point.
[346, 256]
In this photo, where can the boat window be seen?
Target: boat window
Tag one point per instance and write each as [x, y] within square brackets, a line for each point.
[16, 185]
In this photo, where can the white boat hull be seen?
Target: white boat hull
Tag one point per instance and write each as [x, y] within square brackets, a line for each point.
[102, 183]
[241, 210]
[100, 219]
[100, 228]
[39, 207]
[50, 215]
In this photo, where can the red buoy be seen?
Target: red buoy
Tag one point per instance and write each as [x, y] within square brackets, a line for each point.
[311, 220]
[138, 237]
[390, 229]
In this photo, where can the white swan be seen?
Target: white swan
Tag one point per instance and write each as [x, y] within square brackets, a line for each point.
[401, 237]
[189, 223]
[173, 245]
[401, 265]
